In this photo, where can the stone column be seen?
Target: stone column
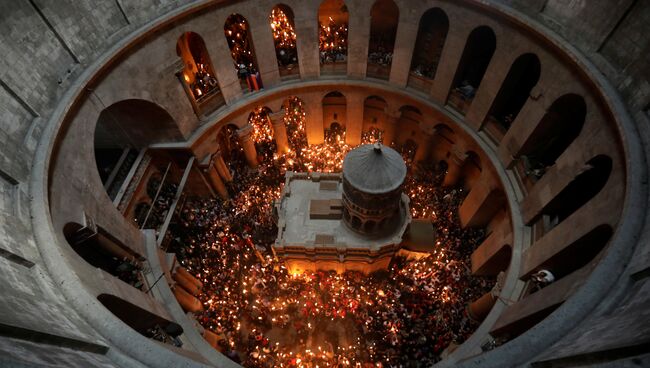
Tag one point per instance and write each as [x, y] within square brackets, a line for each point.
[306, 27]
[354, 124]
[280, 131]
[454, 167]
[523, 127]
[424, 147]
[358, 37]
[449, 59]
[407, 32]
[391, 127]
[480, 205]
[221, 166]
[246, 141]
[225, 71]
[215, 180]
[186, 283]
[480, 308]
[313, 105]
[188, 302]
[490, 85]
[264, 47]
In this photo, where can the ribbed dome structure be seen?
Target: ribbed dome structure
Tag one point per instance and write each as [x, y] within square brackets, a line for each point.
[374, 168]
[373, 175]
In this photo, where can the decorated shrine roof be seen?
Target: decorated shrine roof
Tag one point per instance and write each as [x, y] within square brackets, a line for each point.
[374, 168]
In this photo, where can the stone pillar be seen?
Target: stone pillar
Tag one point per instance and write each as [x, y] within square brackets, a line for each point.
[424, 147]
[358, 37]
[225, 71]
[354, 125]
[246, 141]
[481, 204]
[480, 308]
[490, 85]
[188, 302]
[449, 59]
[493, 255]
[217, 183]
[313, 105]
[264, 47]
[185, 274]
[280, 131]
[521, 131]
[306, 27]
[391, 127]
[221, 166]
[407, 31]
[454, 167]
[186, 284]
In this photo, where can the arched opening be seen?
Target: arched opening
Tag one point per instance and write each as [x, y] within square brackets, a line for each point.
[122, 131]
[294, 121]
[284, 37]
[432, 33]
[559, 127]
[408, 150]
[374, 119]
[238, 35]
[198, 77]
[333, 36]
[578, 192]
[513, 94]
[477, 54]
[334, 116]
[579, 253]
[384, 17]
[144, 322]
[103, 251]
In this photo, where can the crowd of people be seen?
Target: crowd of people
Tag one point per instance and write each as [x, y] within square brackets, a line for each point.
[266, 316]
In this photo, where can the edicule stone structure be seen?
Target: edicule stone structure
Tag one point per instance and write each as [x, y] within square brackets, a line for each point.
[356, 220]
[372, 186]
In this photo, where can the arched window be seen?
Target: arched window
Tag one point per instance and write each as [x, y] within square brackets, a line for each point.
[141, 320]
[477, 54]
[579, 253]
[559, 127]
[284, 38]
[384, 17]
[333, 36]
[123, 129]
[374, 116]
[334, 112]
[408, 150]
[238, 34]
[432, 33]
[101, 250]
[514, 92]
[198, 76]
[578, 192]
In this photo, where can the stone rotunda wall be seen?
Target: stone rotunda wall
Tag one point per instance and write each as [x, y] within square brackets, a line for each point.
[57, 79]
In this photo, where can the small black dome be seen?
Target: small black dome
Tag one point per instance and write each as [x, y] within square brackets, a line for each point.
[374, 168]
